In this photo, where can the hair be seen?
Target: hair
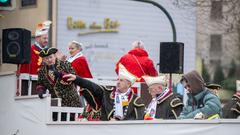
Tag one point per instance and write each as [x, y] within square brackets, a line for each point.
[77, 44]
[138, 44]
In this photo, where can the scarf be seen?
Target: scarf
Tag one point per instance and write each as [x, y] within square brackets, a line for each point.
[121, 104]
[72, 58]
[152, 107]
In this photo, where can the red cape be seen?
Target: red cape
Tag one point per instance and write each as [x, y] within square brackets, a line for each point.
[81, 68]
[138, 63]
[35, 62]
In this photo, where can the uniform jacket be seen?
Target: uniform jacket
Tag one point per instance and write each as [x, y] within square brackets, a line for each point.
[231, 109]
[57, 86]
[35, 62]
[138, 63]
[170, 108]
[105, 96]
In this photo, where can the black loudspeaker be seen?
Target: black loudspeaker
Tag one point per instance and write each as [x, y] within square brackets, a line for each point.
[171, 57]
[16, 46]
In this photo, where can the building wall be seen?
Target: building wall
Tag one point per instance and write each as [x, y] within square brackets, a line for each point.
[228, 44]
[138, 21]
[20, 17]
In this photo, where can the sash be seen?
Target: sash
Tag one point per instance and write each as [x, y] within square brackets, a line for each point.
[151, 110]
[152, 107]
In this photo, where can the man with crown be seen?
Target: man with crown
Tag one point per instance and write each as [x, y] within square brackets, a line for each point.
[115, 104]
[164, 104]
[41, 41]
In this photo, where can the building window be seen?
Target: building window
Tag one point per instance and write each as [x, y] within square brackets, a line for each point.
[215, 47]
[216, 10]
[28, 3]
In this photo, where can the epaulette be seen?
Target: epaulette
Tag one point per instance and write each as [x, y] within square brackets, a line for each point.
[175, 102]
[137, 102]
[236, 97]
[237, 108]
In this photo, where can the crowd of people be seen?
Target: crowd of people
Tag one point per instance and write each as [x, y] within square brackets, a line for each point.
[65, 78]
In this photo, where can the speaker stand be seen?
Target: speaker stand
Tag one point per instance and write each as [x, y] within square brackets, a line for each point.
[17, 75]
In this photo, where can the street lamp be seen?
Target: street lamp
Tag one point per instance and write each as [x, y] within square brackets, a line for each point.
[166, 13]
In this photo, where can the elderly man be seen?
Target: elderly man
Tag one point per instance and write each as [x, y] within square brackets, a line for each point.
[50, 77]
[78, 60]
[137, 62]
[164, 104]
[116, 104]
[41, 41]
[201, 103]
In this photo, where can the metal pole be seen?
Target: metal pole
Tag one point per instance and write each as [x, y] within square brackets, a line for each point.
[17, 75]
[166, 13]
[172, 25]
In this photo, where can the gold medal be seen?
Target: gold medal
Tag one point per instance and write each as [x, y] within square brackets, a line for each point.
[125, 103]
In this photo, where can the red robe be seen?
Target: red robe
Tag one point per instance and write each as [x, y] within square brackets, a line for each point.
[138, 63]
[35, 62]
[81, 68]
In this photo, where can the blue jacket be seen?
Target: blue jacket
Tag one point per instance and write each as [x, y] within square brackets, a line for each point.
[205, 102]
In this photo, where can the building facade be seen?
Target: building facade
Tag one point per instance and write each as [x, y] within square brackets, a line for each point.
[218, 35]
[106, 28]
[23, 14]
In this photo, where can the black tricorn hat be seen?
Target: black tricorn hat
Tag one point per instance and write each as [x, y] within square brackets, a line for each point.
[48, 51]
[213, 86]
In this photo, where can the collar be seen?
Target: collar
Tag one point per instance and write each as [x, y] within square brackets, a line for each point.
[125, 93]
[129, 93]
[163, 96]
[38, 45]
[197, 96]
[72, 58]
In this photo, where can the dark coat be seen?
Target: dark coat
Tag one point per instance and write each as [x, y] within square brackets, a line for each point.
[57, 87]
[105, 96]
[170, 108]
[231, 109]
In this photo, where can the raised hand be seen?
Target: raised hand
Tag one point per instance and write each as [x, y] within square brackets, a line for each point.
[69, 77]
[61, 56]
